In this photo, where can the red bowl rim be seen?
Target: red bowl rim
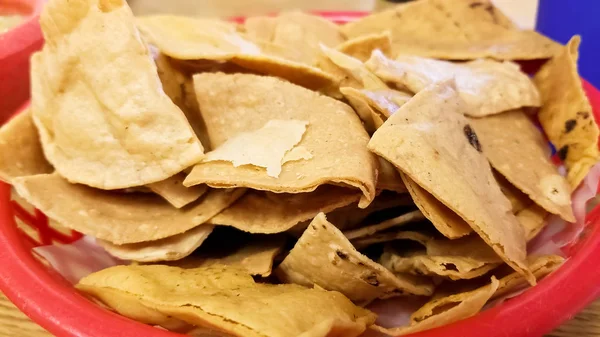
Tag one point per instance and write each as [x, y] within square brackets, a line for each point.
[23, 36]
[58, 307]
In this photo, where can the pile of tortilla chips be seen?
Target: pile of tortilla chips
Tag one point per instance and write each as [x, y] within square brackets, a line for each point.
[276, 177]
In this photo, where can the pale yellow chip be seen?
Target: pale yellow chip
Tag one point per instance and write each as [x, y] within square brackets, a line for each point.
[369, 230]
[265, 147]
[335, 136]
[488, 87]
[268, 213]
[117, 217]
[371, 119]
[453, 29]
[374, 107]
[445, 220]
[518, 200]
[355, 68]
[522, 156]
[173, 191]
[323, 256]
[361, 47]
[131, 133]
[566, 114]
[228, 300]
[168, 249]
[533, 220]
[430, 141]
[20, 149]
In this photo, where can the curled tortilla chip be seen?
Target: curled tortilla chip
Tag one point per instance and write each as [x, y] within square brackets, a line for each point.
[354, 68]
[269, 213]
[361, 47]
[228, 300]
[533, 220]
[168, 249]
[335, 136]
[488, 87]
[265, 147]
[566, 114]
[446, 221]
[20, 149]
[387, 224]
[131, 133]
[370, 118]
[374, 107]
[173, 191]
[431, 142]
[522, 156]
[518, 199]
[455, 30]
[116, 217]
[323, 256]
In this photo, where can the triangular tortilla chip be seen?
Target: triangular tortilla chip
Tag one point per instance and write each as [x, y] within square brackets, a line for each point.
[533, 220]
[168, 249]
[388, 178]
[194, 39]
[453, 29]
[361, 47]
[131, 133]
[116, 217]
[522, 156]
[401, 220]
[487, 86]
[173, 191]
[566, 114]
[20, 149]
[518, 199]
[335, 136]
[430, 141]
[446, 221]
[269, 213]
[323, 256]
[229, 300]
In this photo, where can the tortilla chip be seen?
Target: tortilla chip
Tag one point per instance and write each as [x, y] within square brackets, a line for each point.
[401, 220]
[335, 137]
[455, 30]
[116, 217]
[269, 213]
[354, 68]
[173, 191]
[361, 47]
[265, 147]
[194, 39]
[518, 199]
[323, 256]
[386, 101]
[522, 156]
[370, 118]
[532, 219]
[374, 106]
[229, 300]
[488, 87]
[566, 114]
[446, 221]
[440, 152]
[20, 149]
[131, 133]
[540, 266]
[168, 249]
[389, 178]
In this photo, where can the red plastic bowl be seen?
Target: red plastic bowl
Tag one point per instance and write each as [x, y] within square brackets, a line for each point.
[53, 303]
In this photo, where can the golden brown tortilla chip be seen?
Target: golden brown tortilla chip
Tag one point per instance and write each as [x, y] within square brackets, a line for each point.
[540, 266]
[269, 213]
[430, 141]
[335, 136]
[518, 199]
[20, 149]
[456, 30]
[446, 221]
[389, 178]
[361, 47]
[566, 114]
[488, 87]
[131, 133]
[532, 219]
[229, 300]
[387, 224]
[173, 191]
[168, 249]
[116, 217]
[522, 156]
[323, 256]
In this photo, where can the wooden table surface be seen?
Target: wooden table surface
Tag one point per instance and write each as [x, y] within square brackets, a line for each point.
[13, 323]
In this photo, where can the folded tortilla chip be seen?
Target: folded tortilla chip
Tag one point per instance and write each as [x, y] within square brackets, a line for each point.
[355, 68]
[117, 217]
[533, 220]
[228, 300]
[335, 136]
[20, 149]
[168, 249]
[361, 47]
[374, 107]
[518, 199]
[566, 114]
[453, 29]
[269, 213]
[131, 133]
[371, 119]
[173, 191]
[488, 87]
[430, 141]
[522, 156]
[445, 220]
[388, 178]
[404, 219]
[194, 39]
[323, 256]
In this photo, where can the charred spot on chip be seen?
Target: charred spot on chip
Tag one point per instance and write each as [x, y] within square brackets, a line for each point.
[570, 125]
[371, 279]
[341, 254]
[472, 137]
[476, 4]
[490, 9]
[554, 190]
[450, 266]
[583, 114]
[563, 152]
